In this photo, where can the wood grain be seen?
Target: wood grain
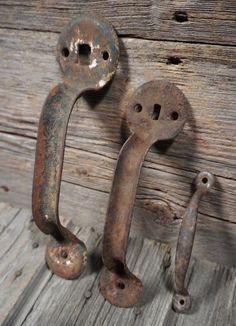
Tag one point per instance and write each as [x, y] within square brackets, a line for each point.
[21, 262]
[41, 298]
[97, 130]
[211, 21]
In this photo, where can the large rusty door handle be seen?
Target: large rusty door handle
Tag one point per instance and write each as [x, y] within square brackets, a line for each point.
[87, 52]
[181, 299]
[157, 111]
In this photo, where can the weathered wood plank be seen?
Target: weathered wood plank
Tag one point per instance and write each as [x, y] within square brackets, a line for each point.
[41, 298]
[213, 289]
[74, 293]
[20, 259]
[7, 215]
[215, 239]
[199, 21]
[87, 316]
[97, 130]
[23, 271]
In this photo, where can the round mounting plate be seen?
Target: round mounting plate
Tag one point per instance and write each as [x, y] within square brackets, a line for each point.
[158, 110]
[88, 51]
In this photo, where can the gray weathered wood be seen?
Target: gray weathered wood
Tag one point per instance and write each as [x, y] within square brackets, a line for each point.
[97, 130]
[19, 260]
[212, 288]
[208, 21]
[36, 297]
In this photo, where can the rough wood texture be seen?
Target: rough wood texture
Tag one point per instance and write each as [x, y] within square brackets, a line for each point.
[211, 21]
[97, 129]
[31, 295]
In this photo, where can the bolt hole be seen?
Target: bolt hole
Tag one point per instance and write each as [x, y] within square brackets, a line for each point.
[64, 254]
[173, 60]
[204, 180]
[181, 16]
[121, 285]
[156, 111]
[105, 55]
[174, 115]
[138, 108]
[84, 51]
[65, 52]
[181, 302]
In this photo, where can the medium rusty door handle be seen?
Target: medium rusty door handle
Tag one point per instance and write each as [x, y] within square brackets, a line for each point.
[181, 299]
[87, 52]
[157, 111]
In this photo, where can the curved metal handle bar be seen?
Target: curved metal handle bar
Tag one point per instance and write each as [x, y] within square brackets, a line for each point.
[66, 256]
[181, 299]
[118, 223]
[80, 53]
[118, 285]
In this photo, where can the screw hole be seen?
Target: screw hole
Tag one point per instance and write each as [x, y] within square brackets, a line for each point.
[156, 111]
[174, 60]
[84, 51]
[180, 16]
[121, 285]
[138, 108]
[174, 115]
[181, 302]
[65, 52]
[105, 55]
[204, 180]
[64, 254]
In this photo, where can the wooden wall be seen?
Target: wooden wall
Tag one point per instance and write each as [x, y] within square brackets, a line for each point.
[190, 43]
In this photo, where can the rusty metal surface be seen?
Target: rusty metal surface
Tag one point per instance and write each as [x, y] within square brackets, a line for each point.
[181, 299]
[157, 111]
[87, 53]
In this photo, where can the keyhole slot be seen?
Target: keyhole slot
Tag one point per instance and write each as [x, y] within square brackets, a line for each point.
[156, 111]
[84, 51]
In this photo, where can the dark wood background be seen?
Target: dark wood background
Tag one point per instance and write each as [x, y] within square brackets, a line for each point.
[190, 43]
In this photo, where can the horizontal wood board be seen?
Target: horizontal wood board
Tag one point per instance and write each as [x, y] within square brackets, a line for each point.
[199, 21]
[97, 130]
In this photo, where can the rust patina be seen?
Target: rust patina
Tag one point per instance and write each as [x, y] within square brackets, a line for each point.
[87, 53]
[181, 299]
[157, 111]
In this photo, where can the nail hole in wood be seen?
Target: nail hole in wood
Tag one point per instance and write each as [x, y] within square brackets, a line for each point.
[4, 189]
[173, 60]
[180, 16]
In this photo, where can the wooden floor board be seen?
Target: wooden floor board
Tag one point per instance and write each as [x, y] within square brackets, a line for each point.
[32, 295]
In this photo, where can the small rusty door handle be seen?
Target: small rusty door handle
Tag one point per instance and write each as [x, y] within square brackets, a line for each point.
[157, 111]
[87, 52]
[181, 299]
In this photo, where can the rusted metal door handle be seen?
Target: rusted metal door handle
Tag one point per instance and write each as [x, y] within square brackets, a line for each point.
[87, 52]
[157, 111]
[181, 299]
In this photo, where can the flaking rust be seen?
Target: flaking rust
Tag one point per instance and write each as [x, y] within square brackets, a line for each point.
[84, 42]
[157, 111]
